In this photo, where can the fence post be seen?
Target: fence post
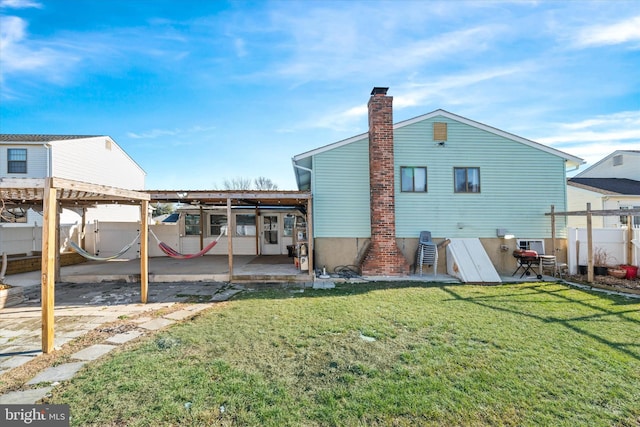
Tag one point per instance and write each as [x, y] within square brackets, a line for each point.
[589, 245]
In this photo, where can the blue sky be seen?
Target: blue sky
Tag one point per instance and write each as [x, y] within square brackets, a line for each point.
[200, 91]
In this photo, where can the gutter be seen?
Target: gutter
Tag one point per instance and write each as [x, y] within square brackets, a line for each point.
[297, 166]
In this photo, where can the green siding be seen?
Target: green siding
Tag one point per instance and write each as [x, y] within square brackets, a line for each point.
[519, 183]
[341, 191]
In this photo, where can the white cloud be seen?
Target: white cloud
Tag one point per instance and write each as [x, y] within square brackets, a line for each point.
[596, 137]
[617, 127]
[20, 56]
[412, 95]
[158, 133]
[617, 33]
[19, 4]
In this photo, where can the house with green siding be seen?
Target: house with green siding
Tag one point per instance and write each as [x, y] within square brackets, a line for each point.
[438, 172]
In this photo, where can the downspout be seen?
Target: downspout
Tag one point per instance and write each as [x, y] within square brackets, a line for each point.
[297, 166]
[47, 146]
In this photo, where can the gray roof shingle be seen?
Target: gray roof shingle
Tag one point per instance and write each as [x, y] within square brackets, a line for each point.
[25, 137]
[623, 186]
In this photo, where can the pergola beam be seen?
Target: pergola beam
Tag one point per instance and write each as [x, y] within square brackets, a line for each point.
[629, 213]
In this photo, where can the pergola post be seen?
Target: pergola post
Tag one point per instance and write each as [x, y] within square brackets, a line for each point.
[312, 275]
[49, 249]
[144, 251]
[553, 230]
[229, 239]
[201, 227]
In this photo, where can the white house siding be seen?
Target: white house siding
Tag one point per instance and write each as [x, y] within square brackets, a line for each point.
[36, 161]
[630, 167]
[519, 183]
[577, 201]
[341, 191]
[97, 160]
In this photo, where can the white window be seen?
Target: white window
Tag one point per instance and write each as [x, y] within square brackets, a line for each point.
[17, 160]
[532, 245]
[623, 218]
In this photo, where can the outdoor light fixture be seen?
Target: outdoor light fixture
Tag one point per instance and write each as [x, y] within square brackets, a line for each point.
[503, 233]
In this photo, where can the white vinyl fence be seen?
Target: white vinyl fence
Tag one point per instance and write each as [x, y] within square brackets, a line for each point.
[102, 239]
[612, 241]
[26, 240]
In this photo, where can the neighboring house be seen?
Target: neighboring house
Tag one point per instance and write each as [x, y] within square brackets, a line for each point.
[610, 184]
[438, 172]
[90, 159]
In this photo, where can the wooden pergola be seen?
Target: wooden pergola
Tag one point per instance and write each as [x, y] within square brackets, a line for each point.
[301, 200]
[589, 213]
[53, 194]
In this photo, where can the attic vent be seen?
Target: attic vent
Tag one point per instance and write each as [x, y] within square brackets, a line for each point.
[107, 145]
[617, 160]
[439, 131]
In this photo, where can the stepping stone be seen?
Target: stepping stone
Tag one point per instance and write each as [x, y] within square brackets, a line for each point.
[155, 324]
[179, 315]
[124, 337]
[93, 352]
[15, 361]
[196, 308]
[27, 397]
[57, 373]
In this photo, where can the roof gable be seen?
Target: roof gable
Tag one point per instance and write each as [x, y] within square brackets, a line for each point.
[604, 165]
[573, 160]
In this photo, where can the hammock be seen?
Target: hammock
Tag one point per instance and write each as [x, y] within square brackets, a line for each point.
[177, 255]
[87, 255]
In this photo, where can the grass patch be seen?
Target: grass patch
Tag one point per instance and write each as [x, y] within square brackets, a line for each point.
[379, 354]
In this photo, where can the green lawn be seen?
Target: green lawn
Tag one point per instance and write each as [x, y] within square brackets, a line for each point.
[384, 354]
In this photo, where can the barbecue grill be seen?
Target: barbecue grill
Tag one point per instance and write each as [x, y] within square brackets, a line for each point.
[527, 259]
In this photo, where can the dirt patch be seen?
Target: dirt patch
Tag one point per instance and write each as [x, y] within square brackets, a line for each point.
[608, 282]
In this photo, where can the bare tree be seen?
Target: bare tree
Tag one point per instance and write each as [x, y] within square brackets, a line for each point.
[241, 183]
[237, 183]
[262, 183]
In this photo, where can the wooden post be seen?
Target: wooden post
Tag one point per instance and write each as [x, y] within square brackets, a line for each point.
[144, 251]
[58, 210]
[589, 245]
[201, 228]
[257, 239]
[83, 228]
[230, 239]
[48, 270]
[310, 239]
[553, 231]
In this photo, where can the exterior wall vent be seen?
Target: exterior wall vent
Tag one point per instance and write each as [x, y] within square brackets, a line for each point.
[439, 131]
[107, 144]
[617, 160]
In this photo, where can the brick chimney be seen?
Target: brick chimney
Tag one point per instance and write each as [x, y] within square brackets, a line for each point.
[383, 258]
